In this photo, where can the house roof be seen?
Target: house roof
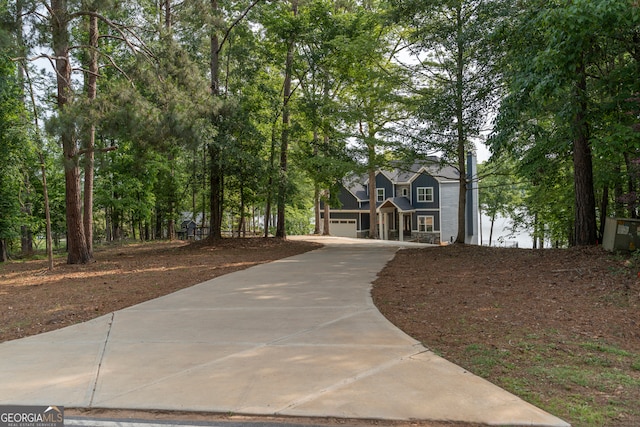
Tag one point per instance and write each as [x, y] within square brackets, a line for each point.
[405, 174]
[354, 185]
[402, 174]
[439, 172]
[401, 203]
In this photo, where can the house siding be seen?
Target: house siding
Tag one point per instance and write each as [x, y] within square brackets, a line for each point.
[425, 180]
[473, 209]
[383, 182]
[348, 200]
[449, 211]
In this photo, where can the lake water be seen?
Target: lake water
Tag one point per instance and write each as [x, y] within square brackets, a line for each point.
[502, 234]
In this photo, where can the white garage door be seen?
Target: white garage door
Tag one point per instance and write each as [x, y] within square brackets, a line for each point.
[342, 227]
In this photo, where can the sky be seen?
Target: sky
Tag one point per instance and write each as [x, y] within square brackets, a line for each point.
[482, 152]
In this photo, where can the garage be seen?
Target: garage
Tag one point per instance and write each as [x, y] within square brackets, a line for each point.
[343, 227]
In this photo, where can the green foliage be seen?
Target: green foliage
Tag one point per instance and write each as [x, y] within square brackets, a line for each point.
[501, 192]
[451, 46]
[372, 82]
[15, 150]
[570, 73]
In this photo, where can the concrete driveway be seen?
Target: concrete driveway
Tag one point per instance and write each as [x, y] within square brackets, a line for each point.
[296, 337]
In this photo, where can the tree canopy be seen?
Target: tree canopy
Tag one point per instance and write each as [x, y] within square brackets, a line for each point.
[239, 114]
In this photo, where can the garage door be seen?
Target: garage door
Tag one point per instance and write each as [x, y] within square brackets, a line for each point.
[342, 227]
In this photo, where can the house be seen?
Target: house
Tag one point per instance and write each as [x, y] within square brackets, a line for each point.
[187, 230]
[417, 203]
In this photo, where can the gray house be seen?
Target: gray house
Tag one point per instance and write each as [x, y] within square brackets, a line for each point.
[418, 203]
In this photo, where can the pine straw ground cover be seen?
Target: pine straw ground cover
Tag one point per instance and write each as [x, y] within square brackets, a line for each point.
[559, 328]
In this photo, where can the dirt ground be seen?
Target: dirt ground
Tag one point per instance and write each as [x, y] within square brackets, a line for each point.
[559, 328]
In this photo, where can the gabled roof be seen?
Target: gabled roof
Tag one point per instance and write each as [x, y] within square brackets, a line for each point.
[353, 184]
[435, 169]
[403, 174]
[401, 203]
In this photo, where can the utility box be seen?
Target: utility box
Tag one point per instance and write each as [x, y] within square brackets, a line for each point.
[621, 234]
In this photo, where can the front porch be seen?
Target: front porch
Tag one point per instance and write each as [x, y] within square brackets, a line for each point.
[395, 222]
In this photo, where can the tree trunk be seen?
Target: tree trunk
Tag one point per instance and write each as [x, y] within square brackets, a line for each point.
[25, 231]
[4, 255]
[76, 242]
[536, 231]
[585, 204]
[167, 15]
[316, 188]
[204, 187]
[327, 211]
[47, 213]
[92, 90]
[26, 236]
[286, 122]
[493, 221]
[316, 208]
[241, 223]
[461, 136]
[171, 229]
[272, 161]
[373, 220]
[604, 207]
[369, 139]
[215, 180]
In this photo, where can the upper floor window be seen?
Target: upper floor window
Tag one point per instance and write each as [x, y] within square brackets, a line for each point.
[405, 192]
[425, 194]
[380, 194]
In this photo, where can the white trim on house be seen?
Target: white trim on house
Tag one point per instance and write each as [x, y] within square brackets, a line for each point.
[347, 211]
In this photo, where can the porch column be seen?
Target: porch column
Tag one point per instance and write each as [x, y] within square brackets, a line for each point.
[385, 226]
[380, 226]
[401, 227]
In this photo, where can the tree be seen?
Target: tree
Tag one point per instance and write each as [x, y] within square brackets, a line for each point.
[60, 19]
[14, 153]
[91, 82]
[219, 33]
[499, 192]
[451, 48]
[76, 242]
[373, 99]
[567, 73]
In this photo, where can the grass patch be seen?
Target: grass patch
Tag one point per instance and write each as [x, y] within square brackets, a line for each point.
[590, 383]
[484, 360]
[583, 410]
[604, 348]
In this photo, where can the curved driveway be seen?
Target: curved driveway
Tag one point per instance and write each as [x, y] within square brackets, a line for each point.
[298, 337]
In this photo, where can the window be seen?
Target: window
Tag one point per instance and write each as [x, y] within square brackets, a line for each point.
[405, 192]
[425, 194]
[380, 194]
[425, 224]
